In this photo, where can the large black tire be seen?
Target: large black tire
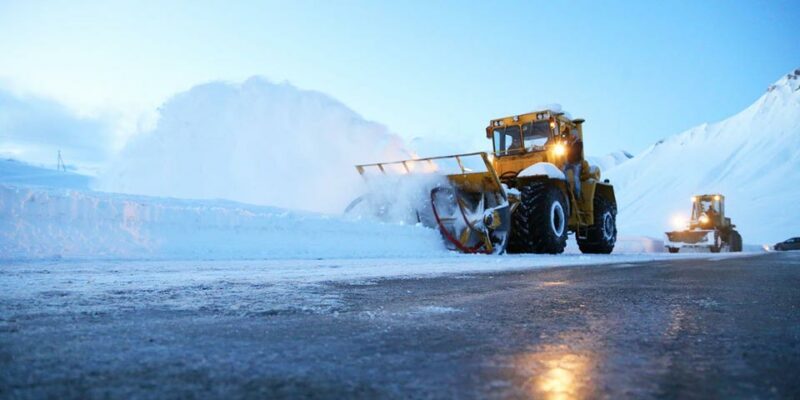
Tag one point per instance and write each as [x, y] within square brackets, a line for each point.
[736, 241]
[539, 224]
[602, 236]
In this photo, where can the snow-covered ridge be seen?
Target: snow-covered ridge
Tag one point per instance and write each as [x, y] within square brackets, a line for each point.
[752, 157]
[791, 82]
[610, 160]
[18, 173]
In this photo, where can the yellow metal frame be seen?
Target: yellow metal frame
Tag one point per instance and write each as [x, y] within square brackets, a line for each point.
[467, 180]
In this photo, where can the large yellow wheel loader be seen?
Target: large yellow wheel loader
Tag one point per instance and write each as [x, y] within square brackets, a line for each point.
[709, 230]
[521, 197]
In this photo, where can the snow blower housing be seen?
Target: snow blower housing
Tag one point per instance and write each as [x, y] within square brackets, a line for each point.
[708, 229]
[520, 198]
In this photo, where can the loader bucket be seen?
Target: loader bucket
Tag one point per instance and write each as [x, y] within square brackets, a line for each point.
[689, 236]
[692, 240]
[468, 204]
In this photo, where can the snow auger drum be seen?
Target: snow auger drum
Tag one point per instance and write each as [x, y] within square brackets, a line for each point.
[465, 200]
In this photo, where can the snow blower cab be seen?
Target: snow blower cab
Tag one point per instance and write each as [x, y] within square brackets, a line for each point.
[525, 197]
[709, 229]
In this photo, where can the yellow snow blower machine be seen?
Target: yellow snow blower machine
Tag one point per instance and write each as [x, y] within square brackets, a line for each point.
[524, 197]
[709, 230]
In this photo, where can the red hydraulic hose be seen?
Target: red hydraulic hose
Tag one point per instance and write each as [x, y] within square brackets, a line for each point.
[446, 233]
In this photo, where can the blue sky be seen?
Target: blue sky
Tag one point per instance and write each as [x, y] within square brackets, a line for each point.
[636, 71]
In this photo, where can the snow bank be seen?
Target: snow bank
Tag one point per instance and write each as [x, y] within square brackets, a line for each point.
[753, 158]
[37, 223]
[255, 142]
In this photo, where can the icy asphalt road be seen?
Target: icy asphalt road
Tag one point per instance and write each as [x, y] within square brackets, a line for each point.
[669, 328]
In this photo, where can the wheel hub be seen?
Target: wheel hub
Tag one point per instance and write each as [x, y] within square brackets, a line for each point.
[608, 226]
[557, 220]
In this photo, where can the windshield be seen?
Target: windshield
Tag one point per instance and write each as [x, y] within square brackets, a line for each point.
[509, 139]
[709, 207]
[536, 134]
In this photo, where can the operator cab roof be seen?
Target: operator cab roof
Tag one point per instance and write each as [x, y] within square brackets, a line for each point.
[541, 115]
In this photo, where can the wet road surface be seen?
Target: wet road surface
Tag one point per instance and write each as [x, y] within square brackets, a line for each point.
[724, 328]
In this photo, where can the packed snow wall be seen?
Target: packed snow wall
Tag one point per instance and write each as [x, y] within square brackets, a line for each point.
[255, 142]
[40, 223]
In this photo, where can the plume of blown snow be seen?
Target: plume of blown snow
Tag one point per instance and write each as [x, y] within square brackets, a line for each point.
[256, 142]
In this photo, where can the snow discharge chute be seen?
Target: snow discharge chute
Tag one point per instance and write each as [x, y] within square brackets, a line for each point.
[459, 195]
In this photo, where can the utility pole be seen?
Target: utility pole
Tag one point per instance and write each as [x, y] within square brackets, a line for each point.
[60, 166]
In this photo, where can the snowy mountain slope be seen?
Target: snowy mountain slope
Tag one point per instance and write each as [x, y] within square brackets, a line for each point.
[17, 173]
[610, 160]
[753, 158]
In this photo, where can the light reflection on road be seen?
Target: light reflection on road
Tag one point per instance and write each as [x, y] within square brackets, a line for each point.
[554, 372]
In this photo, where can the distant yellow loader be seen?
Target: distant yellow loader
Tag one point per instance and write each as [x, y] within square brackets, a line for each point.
[709, 230]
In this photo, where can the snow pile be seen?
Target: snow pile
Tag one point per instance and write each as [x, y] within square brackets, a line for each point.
[753, 158]
[258, 143]
[39, 223]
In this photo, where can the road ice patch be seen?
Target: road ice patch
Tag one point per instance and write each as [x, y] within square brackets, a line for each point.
[436, 310]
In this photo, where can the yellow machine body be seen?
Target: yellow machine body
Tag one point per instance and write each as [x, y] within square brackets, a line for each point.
[519, 143]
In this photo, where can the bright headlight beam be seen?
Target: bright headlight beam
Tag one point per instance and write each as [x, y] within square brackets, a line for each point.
[678, 222]
[559, 149]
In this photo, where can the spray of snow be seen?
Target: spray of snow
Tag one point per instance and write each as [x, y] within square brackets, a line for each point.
[753, 158]
[256, 142]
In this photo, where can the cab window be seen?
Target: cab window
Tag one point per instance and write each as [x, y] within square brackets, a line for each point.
[507, 140]
[536, 134]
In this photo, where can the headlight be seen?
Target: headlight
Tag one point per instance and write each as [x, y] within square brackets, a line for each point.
[704, 219]
[559, 149]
